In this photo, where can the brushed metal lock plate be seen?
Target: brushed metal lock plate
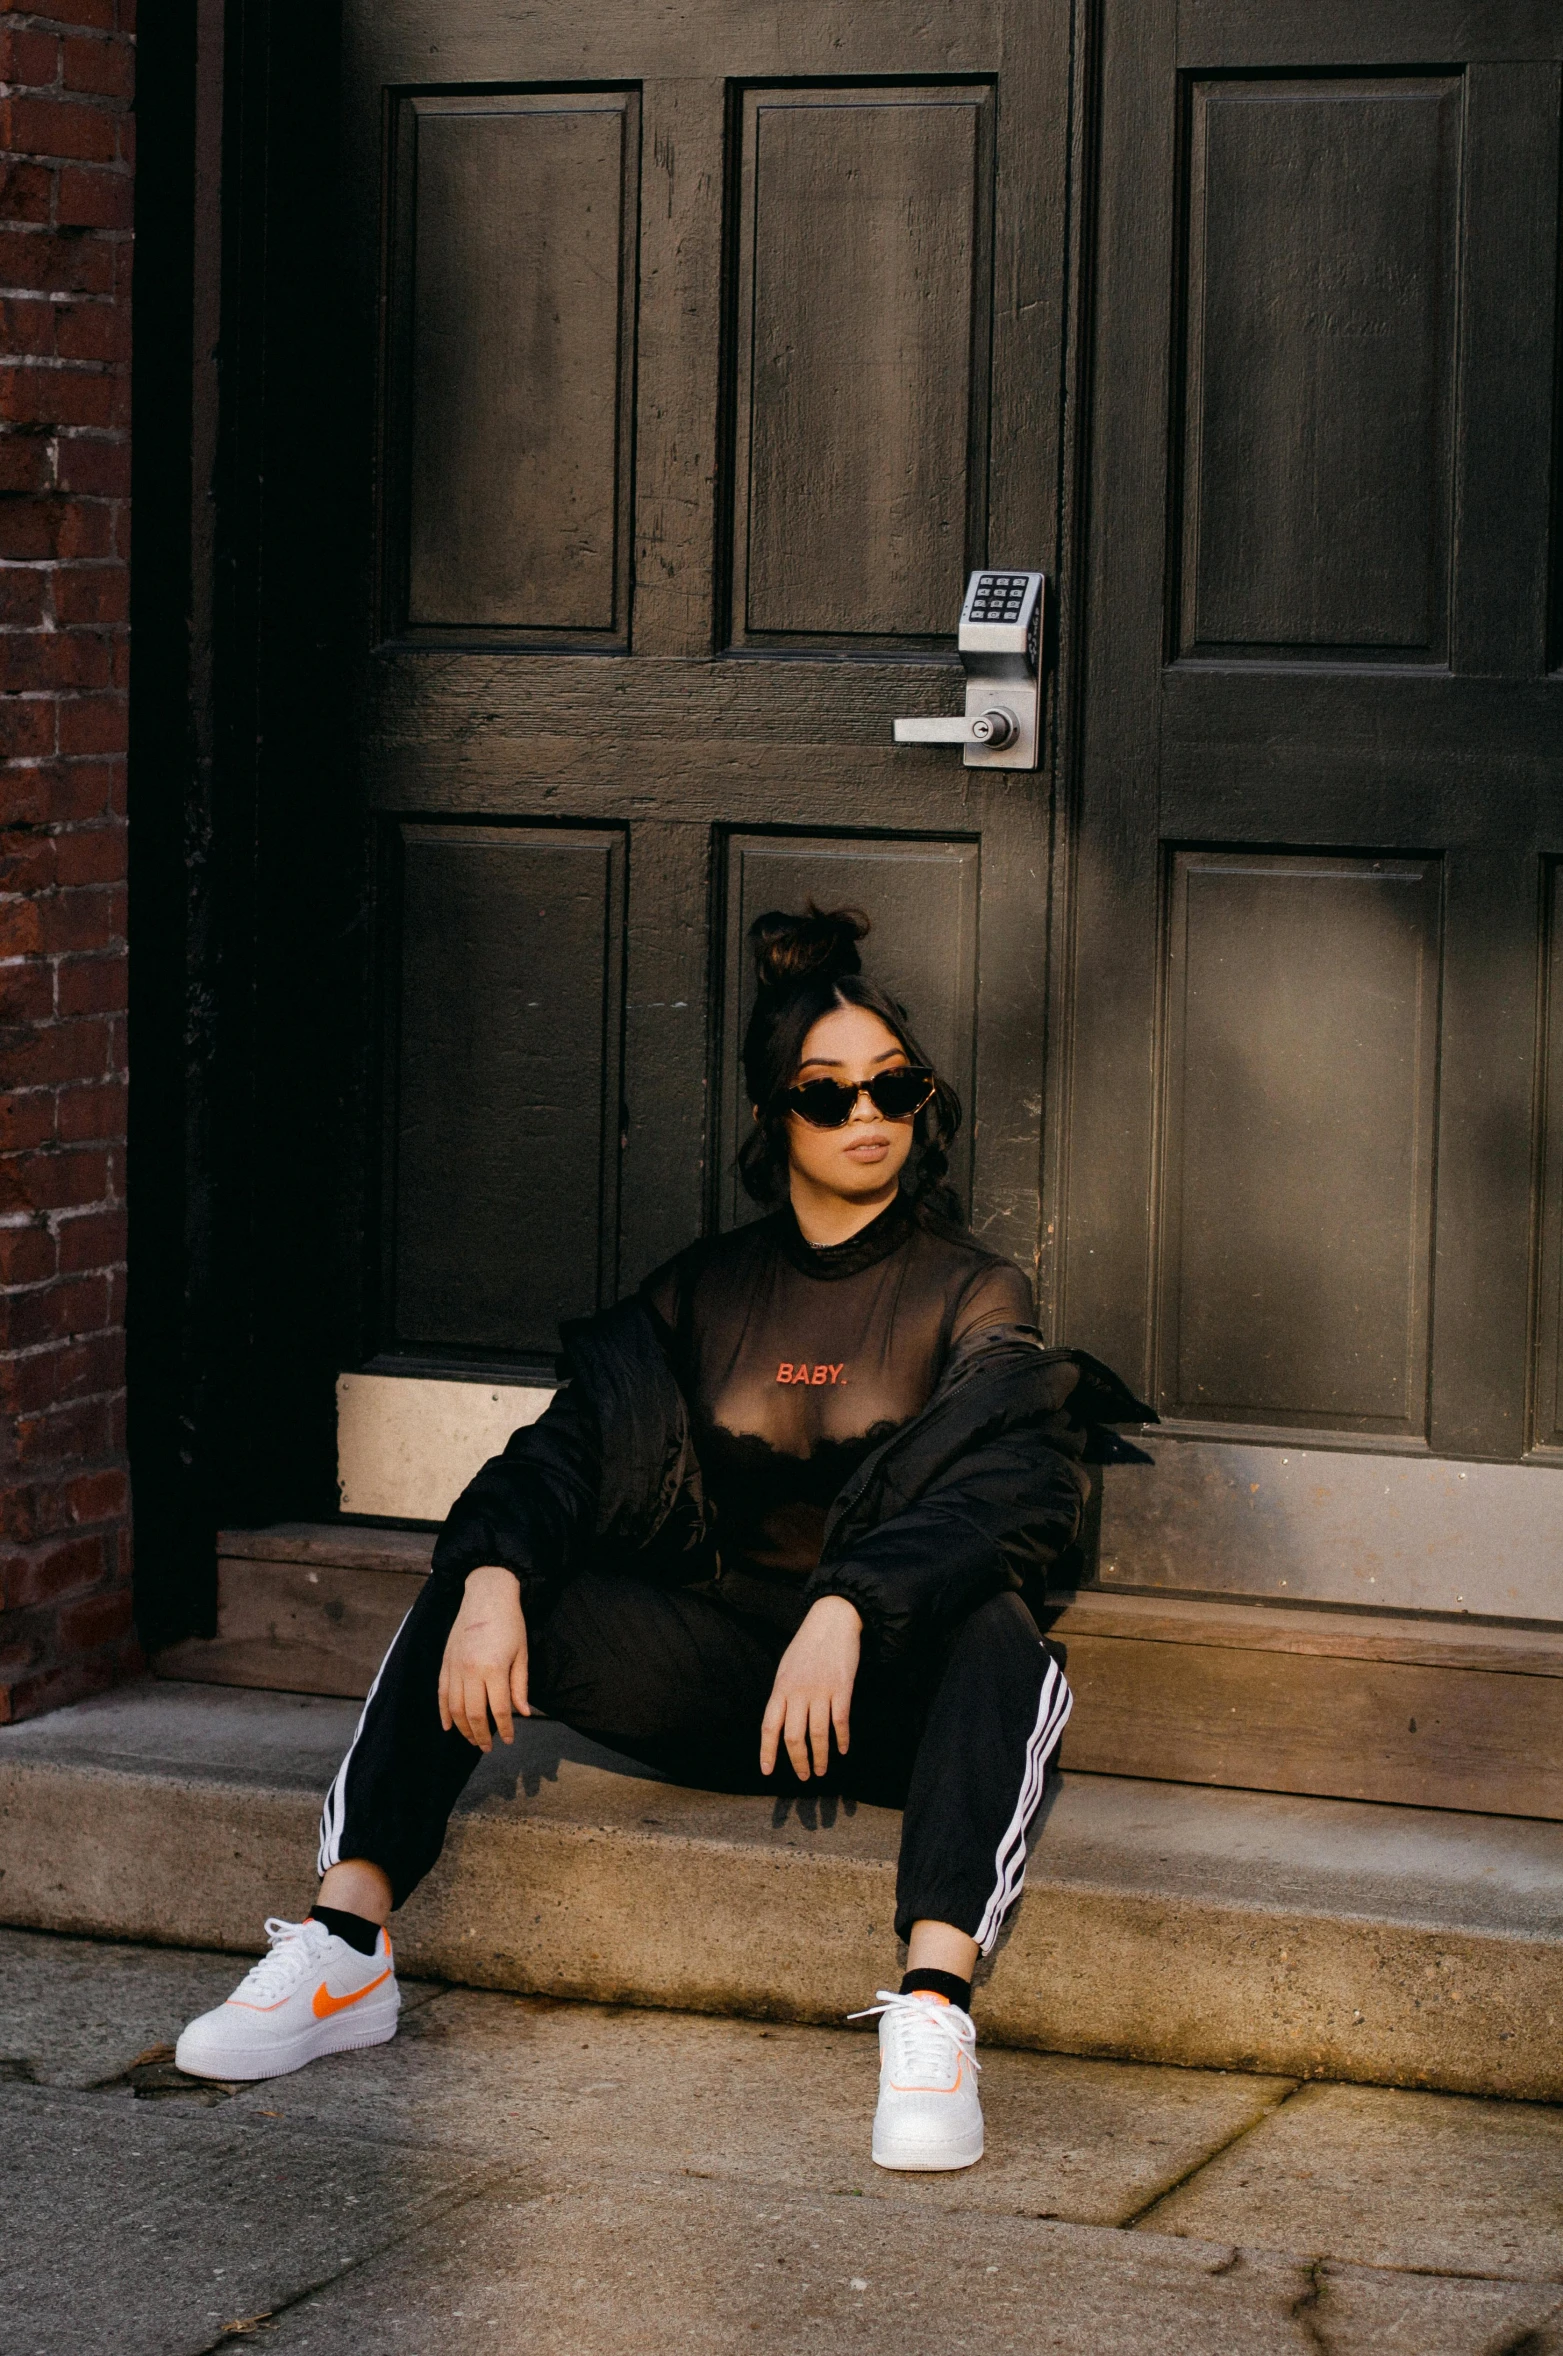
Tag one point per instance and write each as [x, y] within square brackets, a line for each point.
[1000, 640]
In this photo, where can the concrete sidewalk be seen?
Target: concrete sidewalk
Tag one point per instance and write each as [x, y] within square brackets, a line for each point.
[1162, 1922]
[529, 2177]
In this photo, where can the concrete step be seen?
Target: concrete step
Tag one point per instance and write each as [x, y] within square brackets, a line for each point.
[1436, 1711]
[1162, 1922]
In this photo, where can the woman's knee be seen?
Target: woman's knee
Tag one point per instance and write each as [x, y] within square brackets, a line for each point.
[1001, 1625]
[998, 1648]
[618, 1654]
[594, 1654]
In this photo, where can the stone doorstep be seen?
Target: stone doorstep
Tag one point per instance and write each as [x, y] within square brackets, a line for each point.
[1426, 1710]
[1162, 1922]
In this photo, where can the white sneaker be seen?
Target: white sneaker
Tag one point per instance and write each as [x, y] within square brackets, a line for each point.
[312, 1994]
[929, 2116]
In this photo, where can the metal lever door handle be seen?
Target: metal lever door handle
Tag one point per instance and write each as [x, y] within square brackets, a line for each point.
[996, 728]
[999, 642]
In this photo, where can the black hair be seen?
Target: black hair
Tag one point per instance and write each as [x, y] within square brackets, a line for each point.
[805, 966]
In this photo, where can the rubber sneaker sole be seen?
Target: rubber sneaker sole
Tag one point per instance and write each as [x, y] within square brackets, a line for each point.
[199, 2057]
[925, 2159]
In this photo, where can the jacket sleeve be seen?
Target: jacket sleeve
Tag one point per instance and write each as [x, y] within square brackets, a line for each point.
[532, 1507]
[1004, 1510]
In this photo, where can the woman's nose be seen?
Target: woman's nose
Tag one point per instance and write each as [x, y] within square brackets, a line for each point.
[864, 1108]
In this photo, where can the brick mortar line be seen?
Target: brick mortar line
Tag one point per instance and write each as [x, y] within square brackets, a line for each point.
[103, 35]
[121, 167]
[23, 1226]
[58, 1087]
[37, 22]
[110, 1272]
[101, 1273]
[18, 1222]
[64, 1341]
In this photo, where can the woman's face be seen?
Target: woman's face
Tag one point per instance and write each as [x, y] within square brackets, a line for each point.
[866, 1156]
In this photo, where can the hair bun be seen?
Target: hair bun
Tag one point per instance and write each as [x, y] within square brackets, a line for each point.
[788, 949]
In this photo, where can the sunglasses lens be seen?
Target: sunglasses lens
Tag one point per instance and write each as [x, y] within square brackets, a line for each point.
[824, 1104]
[897, 1095]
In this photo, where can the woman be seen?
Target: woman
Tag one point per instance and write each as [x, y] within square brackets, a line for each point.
[772, 1533]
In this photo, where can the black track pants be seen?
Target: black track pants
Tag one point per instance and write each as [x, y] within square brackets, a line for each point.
[959, 1737]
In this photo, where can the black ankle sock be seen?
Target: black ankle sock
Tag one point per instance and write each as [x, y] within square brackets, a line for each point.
[933, 1983]
[356, 1929]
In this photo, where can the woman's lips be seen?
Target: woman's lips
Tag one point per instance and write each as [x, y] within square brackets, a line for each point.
[869, 1149]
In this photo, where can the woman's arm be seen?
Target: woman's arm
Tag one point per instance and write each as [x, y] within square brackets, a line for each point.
[530, 1507]
[510, 1535]
[484, 1672]
[1006, 1508]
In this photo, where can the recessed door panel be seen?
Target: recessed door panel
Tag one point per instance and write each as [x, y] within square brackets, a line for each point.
[1301, 1049]
[504, 1112]
[859, 443]
[511, 360]
[922, 900]
[1320, 343]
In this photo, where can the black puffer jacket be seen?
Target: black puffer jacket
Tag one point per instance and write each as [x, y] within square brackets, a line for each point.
[978, 1493]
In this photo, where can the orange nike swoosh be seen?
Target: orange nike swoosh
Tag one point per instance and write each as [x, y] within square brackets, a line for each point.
[326, 2004]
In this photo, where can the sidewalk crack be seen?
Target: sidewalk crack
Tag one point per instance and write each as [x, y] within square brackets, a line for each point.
[436, 2213]
[1165, 2192]
[1305, 2305]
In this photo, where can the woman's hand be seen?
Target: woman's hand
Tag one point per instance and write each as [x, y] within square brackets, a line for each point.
[484, 1669]
[813, 1688]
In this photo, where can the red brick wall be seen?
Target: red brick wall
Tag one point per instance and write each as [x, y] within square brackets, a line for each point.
[66, 165]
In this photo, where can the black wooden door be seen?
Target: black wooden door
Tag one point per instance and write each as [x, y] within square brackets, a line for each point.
[701, 351]
[1318, 825]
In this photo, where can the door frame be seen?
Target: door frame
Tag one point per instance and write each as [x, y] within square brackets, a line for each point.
[237, 1424]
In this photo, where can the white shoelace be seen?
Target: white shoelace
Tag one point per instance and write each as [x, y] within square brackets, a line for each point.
[924, 2030]
[294, 1946]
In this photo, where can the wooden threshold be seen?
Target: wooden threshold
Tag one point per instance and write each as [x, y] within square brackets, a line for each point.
[1437, 1713]
[305, 1607]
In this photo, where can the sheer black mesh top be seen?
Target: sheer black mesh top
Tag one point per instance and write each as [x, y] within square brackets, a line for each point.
[797, 1362]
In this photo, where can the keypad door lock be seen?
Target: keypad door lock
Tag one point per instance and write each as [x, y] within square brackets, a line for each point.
[1000, 642]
